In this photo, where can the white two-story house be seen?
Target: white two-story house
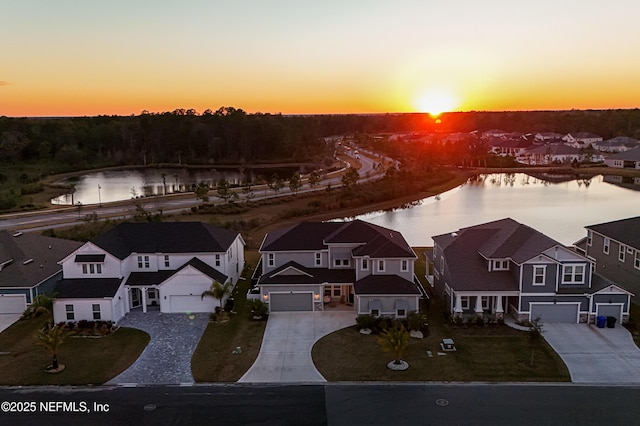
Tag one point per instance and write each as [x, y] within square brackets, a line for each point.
[314, 266]
[143, 266]
[504, 267]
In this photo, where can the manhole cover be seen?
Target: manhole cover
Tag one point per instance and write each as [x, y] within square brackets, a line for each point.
[442, 402]
[149, 407]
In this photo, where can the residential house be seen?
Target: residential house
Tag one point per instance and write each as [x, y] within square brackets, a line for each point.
[550, 154]
[493, 133]
[504, 267]
[581, 139]
[165, 266]
[615, 248]
[28, 267]
[508, 147]
[617, 144]
[313, 266]
[629, 159]
[548, 137]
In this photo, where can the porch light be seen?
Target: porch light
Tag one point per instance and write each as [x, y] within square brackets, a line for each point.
[265, 296]
[316, 296]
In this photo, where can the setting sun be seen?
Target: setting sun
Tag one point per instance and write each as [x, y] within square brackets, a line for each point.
[436, 102]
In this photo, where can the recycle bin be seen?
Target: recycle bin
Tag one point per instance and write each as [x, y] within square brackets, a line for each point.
[611, 322]
[601, 321]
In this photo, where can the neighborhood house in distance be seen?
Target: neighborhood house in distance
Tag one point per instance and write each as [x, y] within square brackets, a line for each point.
[351, 265]
[504, 267]
[163, 266]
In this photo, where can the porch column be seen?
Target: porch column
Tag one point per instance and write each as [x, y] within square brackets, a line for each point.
[499, 308]
[457, 310]
[144, 299]
[127, 300]
[478, 309]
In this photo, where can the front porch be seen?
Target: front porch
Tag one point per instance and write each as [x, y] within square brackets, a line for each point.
[142, 298]
[489, 306]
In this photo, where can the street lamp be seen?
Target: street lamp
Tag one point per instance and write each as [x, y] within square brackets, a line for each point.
[99, 197]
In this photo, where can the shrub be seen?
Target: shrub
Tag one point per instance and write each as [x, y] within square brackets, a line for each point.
[365, 321]
[257, 308]
[415, 320]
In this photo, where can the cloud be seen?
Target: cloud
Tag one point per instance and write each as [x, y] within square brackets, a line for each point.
[3, 83]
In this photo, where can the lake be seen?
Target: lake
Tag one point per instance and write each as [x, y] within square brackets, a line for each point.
[557, 207]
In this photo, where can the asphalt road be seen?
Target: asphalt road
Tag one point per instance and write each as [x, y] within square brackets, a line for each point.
[329, 404]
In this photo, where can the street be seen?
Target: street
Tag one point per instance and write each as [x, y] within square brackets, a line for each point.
[329, 404]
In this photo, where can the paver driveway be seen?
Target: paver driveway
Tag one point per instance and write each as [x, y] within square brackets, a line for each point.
[595, 355]
[167, 357]
[285, 354]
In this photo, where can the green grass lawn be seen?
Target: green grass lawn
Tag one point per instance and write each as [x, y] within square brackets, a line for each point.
[87, 360]
[213, 359]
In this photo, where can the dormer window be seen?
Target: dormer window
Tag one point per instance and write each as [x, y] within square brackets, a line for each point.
[271, 261]
[501, 265]
[143, 262]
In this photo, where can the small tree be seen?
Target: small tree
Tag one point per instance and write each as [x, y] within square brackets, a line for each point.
[535, 336]
[51, 338]
[350, 178]
[248, 192]
[295, 183]
[202, 190]
[224, 190]
[275, 184]
[217, 291]
[41, 305]
[314, 179]
[394, 340]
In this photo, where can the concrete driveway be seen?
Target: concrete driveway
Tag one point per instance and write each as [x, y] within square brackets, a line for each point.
[6, 320]
[595, 355]
[285, 354]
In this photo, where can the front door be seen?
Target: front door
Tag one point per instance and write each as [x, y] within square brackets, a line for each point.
[136, 297]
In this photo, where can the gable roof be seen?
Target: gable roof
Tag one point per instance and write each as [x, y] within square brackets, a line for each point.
[373, 240]
[309, 276]
[384, 284]
[16, 252]
[158, 277]
[626, 231]
[165, 237]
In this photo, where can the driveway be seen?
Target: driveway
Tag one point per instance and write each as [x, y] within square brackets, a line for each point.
[6, 320]
[595, 355]
[285, 354]
[167, 357]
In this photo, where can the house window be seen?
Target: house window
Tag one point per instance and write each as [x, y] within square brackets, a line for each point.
[401, 313]
[84, 268]
[573, 274]
[166, 261]
[501, 265]
[484, 300]
[91, 268]
[318, 259]
[404, 265]
[380, 265]
[589, 237]
[539, 275]
[98, 268]
[636, 260]
[70, 315]
[375, 312]
[621, 253]
[464, 302]
[337, 291]
[218, 260]
[605, 247]
[143, 262]
[346, 262]
[271, 261]
[365, 264]
[96, 311]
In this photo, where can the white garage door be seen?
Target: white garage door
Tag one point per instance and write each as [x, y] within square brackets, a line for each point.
[555, 312]
[287, 302]
[12, 303]
[610, 311]
[181, 304]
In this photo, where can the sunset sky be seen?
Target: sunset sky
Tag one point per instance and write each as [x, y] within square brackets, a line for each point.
[67, 58]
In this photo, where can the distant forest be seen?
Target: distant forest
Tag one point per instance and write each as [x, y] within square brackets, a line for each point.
[231, 135]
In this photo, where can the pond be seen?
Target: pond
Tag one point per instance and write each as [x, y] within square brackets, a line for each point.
[556, 206]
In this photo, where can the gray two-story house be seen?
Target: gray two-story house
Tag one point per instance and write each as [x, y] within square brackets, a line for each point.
[504, 267]
[356, 265]
[615, 247]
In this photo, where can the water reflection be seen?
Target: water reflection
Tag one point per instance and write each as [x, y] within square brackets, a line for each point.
[557, 206]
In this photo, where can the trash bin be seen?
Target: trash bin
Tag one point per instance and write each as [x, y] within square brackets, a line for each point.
[601, 321]
[611, 322]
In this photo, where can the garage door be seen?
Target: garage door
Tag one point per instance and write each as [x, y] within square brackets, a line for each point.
[287, 302]
[610, 311]
[555, 312]
[181, 304]
[12, 303]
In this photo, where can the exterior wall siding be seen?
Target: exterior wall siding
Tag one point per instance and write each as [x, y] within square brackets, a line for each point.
[610, 298]
[550, 278]
[387, 302]
[83, 309]
[524, 301]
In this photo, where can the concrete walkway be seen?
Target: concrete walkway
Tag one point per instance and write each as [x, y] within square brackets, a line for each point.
[595, 355]
[167, 357]
[7, 320]
[285, 354]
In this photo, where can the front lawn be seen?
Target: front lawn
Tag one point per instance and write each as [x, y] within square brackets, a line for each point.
[214, 359]
[87, 360]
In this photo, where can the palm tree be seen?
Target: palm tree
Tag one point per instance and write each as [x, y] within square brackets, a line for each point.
[217, 291]
[394, 340]
[50, 338]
